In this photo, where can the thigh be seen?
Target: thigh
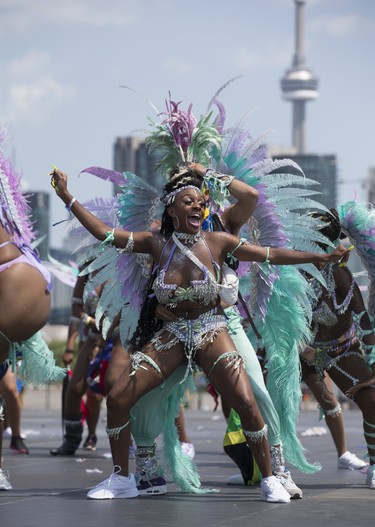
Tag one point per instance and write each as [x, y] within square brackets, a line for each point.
[146, 370]
[321, 390]
[229, 378]
[117, 364]
[348, 370]
[8, 385]
[78, 379]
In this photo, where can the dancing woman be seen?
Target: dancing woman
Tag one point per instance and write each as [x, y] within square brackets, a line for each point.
[344, 341]
[231, 219]
[188, 281]
[25, 286]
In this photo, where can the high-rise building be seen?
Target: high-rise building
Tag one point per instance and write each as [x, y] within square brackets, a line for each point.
[40, 213]
[131, 154]
[299, 85]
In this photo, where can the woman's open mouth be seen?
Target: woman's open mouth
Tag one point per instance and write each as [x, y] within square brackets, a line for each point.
[194, 220]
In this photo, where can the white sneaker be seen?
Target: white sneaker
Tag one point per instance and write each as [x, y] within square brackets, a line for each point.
[287, 482]
[114, 487]
[236, 479]
[350, 461]
[4, 480]
[272, 491]
[188, 449]
[370, 477]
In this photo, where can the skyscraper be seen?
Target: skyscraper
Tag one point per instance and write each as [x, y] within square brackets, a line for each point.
[299, 85]
[40, 213]
[131, 154]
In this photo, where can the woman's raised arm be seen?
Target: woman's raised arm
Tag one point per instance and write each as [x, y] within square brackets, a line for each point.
[140, 241]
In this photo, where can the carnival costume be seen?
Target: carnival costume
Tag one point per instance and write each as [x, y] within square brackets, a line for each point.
[357, 222]
[32, 358]
[277, 222]
[38, 363]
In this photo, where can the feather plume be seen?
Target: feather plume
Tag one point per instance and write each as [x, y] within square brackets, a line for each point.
[358, 223]
[14, 206]
[117, 178]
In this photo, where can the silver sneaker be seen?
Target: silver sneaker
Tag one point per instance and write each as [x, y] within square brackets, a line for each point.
[287, 482]
[350, 461]
[273, 492]
[370, 477]
[114, 487]
[4, 480]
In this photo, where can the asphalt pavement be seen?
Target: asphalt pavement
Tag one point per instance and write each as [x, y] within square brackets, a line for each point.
[51, 491]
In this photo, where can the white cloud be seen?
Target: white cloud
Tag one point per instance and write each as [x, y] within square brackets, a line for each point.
[32, 92]
[33, 63]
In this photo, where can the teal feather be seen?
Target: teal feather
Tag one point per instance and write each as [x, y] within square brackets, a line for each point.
[181, 467]
[281, 340]
[38, 365]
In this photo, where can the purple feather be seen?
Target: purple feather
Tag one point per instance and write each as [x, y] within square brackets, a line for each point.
[117, 178]
[181, 124]
[18, 222]
[219, 122]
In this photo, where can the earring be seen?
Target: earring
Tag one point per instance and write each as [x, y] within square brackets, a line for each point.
[174, 223]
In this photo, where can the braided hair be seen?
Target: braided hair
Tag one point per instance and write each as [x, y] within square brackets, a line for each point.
[148, 325]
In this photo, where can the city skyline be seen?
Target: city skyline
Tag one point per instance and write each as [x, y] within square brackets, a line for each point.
[63, 63]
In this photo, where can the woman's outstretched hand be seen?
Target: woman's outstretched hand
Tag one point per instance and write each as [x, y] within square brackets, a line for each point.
[340, 254]
[361, 384]
[59, 181]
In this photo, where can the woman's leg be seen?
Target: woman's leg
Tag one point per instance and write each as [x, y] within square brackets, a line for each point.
[13, 408]
[128, 389]
[77, 387]
[223, 366]
[322, 391]
[344, 375]
[93, 406]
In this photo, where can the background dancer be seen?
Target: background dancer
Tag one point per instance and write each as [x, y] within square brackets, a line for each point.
[25, 287]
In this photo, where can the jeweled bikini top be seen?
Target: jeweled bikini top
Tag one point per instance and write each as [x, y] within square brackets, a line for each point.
[203, 291]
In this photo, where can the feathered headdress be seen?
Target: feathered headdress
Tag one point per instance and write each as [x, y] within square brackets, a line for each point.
[358, 223]
[14, 207]
[180, 137]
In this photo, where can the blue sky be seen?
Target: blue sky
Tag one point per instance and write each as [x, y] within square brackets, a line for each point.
[62, 63]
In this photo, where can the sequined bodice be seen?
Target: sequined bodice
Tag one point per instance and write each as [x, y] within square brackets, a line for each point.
[324, 315]
[203, 291]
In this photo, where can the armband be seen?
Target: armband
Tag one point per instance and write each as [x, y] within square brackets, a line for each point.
[217, 185]
[70, 205]
[109, 238]
[267, 260]
[129, 247]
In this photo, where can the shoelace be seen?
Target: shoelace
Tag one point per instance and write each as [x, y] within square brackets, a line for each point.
[116, 471]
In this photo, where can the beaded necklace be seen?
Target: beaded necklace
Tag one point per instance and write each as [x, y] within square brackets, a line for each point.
[188, 238]
[331, 288]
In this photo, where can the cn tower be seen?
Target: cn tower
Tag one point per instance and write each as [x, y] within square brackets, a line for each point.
[299, 85]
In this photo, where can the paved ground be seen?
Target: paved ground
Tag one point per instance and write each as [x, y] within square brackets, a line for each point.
[49, 491]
